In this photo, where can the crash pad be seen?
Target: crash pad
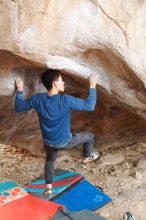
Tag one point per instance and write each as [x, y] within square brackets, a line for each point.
[11, 195]
[29, 208]
[62, 181]
[79, 215]
[84, 195]
[7, 185]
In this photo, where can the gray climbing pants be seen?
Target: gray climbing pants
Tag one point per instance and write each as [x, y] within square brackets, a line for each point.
[85, 138]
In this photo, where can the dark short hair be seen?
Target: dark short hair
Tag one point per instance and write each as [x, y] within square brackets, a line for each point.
[49, 76]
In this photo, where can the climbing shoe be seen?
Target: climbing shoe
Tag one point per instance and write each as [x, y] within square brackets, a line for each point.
[93, 156]
[48, 192]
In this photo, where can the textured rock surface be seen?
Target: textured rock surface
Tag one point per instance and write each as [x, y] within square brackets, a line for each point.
[78, 37]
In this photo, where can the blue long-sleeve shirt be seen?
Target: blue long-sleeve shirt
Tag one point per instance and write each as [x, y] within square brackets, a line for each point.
[54, 113]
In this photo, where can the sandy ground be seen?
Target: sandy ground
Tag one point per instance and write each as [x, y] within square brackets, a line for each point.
[120, 172]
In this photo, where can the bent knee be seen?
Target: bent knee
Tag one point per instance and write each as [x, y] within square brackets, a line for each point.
[91, 136]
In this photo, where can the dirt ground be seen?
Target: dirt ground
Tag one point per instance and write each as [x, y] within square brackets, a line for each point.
[121, 172]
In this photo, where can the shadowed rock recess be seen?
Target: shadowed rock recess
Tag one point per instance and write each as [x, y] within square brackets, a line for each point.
[78, 37]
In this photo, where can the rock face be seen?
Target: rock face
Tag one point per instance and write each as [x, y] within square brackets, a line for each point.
[77, 37]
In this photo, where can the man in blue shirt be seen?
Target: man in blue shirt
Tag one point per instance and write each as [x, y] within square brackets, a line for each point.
[53, 111]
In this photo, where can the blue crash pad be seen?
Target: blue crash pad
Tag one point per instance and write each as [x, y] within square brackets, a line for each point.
[83, 196]
[62, 181]
[7, 185]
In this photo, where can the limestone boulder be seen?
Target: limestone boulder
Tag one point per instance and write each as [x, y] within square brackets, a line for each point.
[78, 37]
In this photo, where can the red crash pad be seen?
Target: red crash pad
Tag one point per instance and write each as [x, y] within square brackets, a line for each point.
[28, 208]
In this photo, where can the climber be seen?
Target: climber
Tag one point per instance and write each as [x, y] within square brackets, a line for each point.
[53, 111]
